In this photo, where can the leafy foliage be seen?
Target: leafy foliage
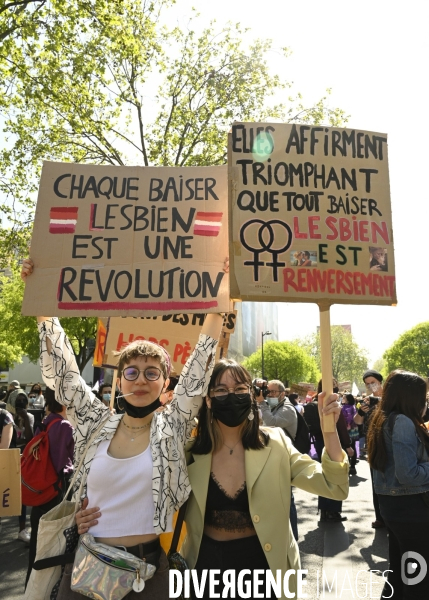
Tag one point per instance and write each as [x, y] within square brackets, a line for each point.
[19, 335]
[285, 361]
[349, 361]
[410, 351]
[102, 81]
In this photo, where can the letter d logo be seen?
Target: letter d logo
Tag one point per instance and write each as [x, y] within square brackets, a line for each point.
[413, 568]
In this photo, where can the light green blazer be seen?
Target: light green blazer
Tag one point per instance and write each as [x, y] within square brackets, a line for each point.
[270, 472]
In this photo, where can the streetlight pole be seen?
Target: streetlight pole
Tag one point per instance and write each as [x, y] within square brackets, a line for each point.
[262, 348]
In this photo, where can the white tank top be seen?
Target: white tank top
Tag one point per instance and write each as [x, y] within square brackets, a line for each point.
[122, 488]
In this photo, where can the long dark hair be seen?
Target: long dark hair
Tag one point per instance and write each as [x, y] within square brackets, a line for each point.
[209, 437]
[403, 393]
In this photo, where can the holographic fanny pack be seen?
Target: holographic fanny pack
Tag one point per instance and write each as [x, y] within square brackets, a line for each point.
[104, 572]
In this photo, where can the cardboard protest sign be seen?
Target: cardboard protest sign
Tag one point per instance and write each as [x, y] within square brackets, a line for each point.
[178, 334]
[100, 343]
[301, 390]
[10, 478]
[137, 241]
[344, 385]
[310, 216]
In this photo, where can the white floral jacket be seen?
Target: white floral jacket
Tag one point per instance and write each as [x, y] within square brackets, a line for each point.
[170, 429]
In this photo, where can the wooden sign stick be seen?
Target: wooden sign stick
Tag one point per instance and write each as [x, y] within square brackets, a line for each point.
[328, 423]
[112, 396]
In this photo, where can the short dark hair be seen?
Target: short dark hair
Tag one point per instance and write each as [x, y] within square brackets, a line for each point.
[53, 405]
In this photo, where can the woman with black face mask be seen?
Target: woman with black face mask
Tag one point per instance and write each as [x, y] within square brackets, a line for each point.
[241, 475]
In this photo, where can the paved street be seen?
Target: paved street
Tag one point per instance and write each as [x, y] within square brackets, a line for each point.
[351, 549]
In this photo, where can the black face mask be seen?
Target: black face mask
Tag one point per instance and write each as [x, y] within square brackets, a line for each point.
[233, 410]
[138, 412]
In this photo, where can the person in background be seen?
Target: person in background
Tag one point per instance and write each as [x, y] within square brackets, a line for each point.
[398, 452]
[374, 384]
[105, 393]
[277, 411]
[294, 399]
[330, 510]
[167, 396]
[24, 423]
[36, 396]
[12, 393]
[61, 448]
[349, 412]
[7, 432]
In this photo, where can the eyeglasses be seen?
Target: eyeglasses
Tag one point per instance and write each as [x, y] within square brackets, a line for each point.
[150, 373]
[274, 393]
[221, 392]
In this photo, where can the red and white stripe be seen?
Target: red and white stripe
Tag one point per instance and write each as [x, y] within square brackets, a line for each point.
[63, 219]
[208, 223]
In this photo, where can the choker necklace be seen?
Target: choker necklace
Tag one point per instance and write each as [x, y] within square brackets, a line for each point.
[136, 435]
[130, 427]
[231, 450]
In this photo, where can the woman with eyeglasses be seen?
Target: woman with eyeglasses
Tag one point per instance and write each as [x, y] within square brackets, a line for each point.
[136, 467]
[398, 452]
[241, 474]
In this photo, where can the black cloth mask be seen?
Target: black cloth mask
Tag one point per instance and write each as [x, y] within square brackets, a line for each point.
[233, 410]
[138, 412]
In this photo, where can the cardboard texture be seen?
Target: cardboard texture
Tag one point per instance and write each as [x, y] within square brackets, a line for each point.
[301, 390]
[100, 344]
[309, 215]
[178, 334]
[129, 241]
[345, 385]
[10, 481]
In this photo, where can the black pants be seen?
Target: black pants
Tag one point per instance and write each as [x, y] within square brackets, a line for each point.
[375, 500]
[36, 513]
[403, 538]
[353, 459]
[245, 553]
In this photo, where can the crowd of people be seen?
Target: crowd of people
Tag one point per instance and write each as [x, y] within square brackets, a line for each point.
[216, 440]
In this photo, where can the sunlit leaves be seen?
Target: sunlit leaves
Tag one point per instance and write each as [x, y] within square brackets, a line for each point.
[410, 351]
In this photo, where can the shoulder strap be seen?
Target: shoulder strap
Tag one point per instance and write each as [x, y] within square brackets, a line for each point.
[47, 427]
[178, 528]
[77, 469]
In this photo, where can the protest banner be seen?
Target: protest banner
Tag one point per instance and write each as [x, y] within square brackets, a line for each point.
[310, 219]
[129, 241]
[301, 390]
[344, 385]
[10, 478]
[178, 334]
[100, 343]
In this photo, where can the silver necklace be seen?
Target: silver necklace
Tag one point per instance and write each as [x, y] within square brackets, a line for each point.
[231, 450]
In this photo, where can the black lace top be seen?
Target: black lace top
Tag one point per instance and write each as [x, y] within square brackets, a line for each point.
[226, 512]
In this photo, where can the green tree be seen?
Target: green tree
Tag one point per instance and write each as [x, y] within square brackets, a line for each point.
[19, 335]
[410, 351]
[105, 82]
[349, 361]
[285, 361]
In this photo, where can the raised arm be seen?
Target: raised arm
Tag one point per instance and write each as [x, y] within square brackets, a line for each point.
[60, 371]
[195, 377]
